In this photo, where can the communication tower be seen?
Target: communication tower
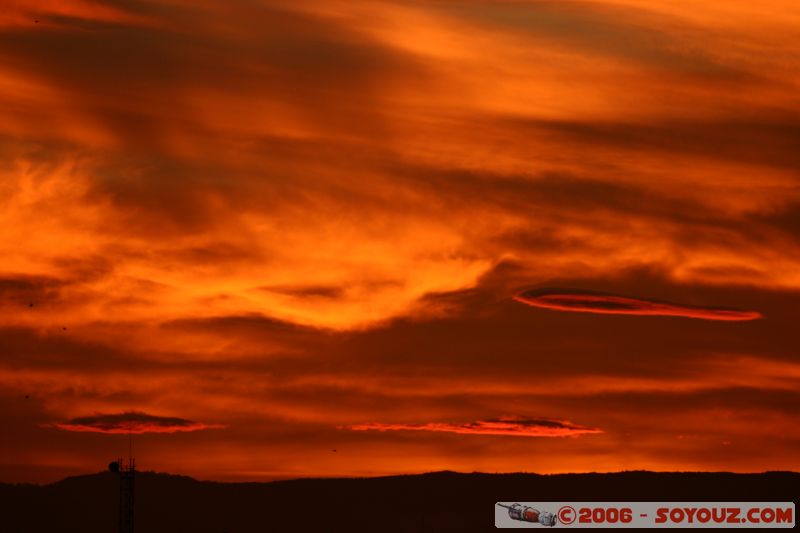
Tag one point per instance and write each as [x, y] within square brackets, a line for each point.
[127, 474]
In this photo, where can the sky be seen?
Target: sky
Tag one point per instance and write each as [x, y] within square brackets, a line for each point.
[280, 239]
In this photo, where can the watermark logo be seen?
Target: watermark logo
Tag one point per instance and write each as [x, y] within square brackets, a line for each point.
[748, 515]
[525, 513]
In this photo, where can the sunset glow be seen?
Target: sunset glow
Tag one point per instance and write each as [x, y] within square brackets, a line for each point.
[271, 229]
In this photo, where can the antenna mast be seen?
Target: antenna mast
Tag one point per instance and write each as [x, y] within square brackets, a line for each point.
[127, 474]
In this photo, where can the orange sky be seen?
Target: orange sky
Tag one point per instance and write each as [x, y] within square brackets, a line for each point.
[298, 227]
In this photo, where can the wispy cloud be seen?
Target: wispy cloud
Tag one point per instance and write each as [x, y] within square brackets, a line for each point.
[505, 426]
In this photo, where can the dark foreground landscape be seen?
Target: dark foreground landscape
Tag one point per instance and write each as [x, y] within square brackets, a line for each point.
[441, 501]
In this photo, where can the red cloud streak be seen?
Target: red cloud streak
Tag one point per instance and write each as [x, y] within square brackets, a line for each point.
[592, 302]
[503, 426]
[132, 422]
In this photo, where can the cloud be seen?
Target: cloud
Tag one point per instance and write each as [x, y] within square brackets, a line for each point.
[132, 422]
[506, 426]
[289, 216]
[596, 302]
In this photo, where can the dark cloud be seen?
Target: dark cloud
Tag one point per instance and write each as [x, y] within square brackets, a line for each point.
[132, 422]
[598, 302]
[786, 218]
[764, 137]
[306, 291]
[29, 290]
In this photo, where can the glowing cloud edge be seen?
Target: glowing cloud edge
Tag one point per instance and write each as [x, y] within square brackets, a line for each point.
[611, 304]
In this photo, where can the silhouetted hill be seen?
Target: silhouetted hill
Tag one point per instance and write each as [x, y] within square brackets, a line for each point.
[441, 501]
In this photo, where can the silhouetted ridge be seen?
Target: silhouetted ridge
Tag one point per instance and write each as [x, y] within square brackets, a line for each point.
[434, 501]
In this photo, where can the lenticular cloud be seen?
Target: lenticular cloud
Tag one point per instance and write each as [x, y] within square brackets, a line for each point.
[507, 426]
[132, 422]
[596, 302]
